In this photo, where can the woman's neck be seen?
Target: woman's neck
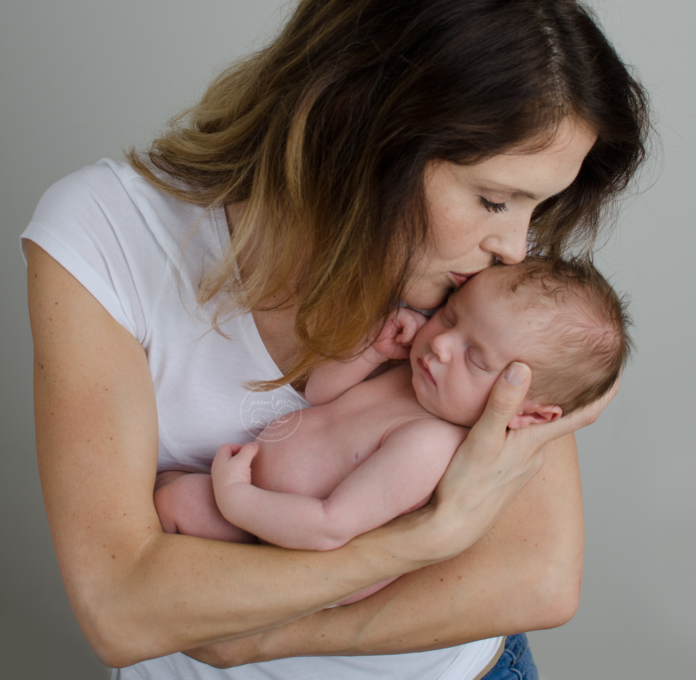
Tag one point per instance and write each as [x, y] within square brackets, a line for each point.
[277, 326]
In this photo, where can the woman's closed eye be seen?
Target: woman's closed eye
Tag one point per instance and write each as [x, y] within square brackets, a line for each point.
[493, 207]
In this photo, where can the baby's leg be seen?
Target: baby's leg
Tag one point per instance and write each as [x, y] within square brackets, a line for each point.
[185, 504]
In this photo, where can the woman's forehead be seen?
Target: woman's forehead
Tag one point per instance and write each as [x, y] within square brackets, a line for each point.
[536, 174]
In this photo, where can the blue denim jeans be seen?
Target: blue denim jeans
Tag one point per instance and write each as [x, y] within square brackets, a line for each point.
[515, 663]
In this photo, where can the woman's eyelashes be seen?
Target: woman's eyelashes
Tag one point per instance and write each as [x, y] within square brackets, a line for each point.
[493, 207]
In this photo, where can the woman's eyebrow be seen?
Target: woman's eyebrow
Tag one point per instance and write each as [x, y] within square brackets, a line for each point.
[495, 186]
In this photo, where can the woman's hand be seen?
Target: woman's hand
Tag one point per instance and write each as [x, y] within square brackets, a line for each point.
[494, 463]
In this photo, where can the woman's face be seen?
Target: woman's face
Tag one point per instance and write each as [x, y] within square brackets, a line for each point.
[481, 212]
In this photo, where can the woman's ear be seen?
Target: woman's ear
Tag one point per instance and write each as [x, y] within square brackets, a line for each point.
[530, 413]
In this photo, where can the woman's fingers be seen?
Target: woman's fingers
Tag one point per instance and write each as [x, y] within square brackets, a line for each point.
[493, 464]
[486, 458]
[507, 395]
[486, 463]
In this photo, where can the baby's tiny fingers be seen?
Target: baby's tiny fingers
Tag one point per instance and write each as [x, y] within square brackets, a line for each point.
[224, 455]
[226, 451]
[246, 453]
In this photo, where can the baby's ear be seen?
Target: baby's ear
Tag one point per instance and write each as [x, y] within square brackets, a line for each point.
[530, 413]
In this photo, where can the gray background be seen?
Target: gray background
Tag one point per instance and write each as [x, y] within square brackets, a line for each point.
[79, 79]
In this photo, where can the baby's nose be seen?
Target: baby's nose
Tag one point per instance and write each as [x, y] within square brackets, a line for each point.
[440, 347]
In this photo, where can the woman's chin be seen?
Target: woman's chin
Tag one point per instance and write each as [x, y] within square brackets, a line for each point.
[425, 301]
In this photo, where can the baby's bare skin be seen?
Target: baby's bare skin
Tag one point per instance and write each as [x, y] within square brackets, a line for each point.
[334, 439]
[372, 450]
[330, 443]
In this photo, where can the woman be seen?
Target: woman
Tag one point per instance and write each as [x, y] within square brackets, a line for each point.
[376, 151]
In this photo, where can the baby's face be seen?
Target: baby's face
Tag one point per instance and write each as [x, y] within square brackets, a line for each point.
[460, 352]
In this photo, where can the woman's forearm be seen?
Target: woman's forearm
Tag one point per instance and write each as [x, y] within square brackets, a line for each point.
[184, 592]
[524, 574]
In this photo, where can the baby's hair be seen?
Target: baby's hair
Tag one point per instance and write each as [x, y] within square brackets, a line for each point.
[586, 345]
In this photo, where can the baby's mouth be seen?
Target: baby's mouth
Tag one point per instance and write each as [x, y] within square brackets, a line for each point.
[426, 371]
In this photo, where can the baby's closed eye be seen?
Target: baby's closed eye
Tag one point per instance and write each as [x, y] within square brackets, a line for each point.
[474, 358]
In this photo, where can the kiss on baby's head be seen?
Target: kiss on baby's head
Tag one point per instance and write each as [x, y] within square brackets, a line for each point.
[562, 318]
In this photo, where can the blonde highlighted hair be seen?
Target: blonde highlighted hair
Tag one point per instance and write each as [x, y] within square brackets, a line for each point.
[322, 139]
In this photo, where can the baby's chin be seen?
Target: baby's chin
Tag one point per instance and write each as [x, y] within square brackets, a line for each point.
[463, 420]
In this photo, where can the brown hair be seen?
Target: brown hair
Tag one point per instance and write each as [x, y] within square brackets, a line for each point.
[326, 133]
[580, 355]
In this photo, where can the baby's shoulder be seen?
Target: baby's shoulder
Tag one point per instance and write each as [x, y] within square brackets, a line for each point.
[430, 431]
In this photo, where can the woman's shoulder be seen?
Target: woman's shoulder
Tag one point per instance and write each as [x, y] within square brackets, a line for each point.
[111, 192]
[109, 205]
[106, 182]
[122, 238]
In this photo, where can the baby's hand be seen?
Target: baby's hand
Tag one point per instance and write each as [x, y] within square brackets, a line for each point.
[394, 340]
[232, 464]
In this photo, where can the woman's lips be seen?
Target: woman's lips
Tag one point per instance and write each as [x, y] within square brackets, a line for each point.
[460, 279]
[426, 371]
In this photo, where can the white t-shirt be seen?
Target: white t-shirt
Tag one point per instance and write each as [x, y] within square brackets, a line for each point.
[130, 245]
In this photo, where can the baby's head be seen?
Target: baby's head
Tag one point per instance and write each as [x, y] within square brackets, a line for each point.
[562, 319]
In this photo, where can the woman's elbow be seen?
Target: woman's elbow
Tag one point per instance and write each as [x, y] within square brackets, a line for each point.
[556, 598]
[113, 618]
[110, 625]
[113, 641]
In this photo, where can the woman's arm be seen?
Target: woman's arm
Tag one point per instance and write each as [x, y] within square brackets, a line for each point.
[137, 592]
[524, 574]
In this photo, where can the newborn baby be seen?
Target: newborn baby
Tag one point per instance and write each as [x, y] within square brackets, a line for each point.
[372, 450]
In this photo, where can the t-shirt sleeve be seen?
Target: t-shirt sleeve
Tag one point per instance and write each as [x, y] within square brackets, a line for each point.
[90, 223]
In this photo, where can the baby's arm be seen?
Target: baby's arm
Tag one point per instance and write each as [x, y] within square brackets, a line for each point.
[397, 478]
[393, 341]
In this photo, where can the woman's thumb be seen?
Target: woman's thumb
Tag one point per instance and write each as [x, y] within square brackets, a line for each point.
[506, 396]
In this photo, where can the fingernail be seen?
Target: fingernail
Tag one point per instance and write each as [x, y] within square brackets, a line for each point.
[516, 373]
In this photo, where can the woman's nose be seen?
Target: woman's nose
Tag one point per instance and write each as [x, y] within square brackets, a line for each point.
[510, 246]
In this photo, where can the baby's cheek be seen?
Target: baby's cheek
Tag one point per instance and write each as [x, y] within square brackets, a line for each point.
[479, 392]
